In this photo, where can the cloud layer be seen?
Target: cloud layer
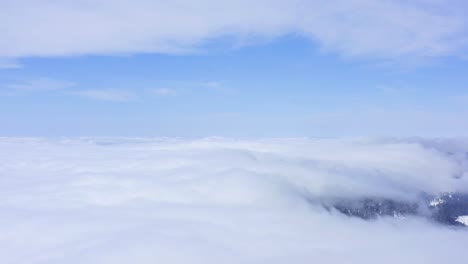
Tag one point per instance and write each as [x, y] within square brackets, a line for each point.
[376, 28]
[214, 200]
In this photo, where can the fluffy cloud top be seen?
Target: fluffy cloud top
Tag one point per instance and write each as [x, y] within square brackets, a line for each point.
[216, 200]
[378, 28]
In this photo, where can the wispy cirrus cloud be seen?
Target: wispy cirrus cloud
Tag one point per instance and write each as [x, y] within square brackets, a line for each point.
[113, 95]
[9, 64]
[41, 84]
[163, 91]
[178, 87]
[388, 89]
[61, 87]
[356, 28]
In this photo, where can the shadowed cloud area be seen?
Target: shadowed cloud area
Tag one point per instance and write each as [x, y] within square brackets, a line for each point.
[219, 200]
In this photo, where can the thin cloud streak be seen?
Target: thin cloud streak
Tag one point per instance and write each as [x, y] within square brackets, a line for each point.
[37, 85]
[10, 64]
[163, 91]
[112, 95]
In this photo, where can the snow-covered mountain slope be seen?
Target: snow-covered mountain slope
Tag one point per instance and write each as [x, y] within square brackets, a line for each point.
[448, 208]
[463, 219]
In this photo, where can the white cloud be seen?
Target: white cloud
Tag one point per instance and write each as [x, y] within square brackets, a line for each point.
[375, 28]
[214, 200]
[106, 94]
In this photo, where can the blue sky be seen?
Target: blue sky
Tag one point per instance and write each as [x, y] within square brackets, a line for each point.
[234, 76]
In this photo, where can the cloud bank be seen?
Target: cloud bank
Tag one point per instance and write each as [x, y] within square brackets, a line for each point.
[375, 28]
[215, 200]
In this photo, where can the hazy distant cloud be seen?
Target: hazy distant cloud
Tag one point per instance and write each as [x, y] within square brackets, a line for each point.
[369, 28]
[388, 89]
[36, 85]
[176, 87]
[210, 85]
[458, 99]
[218, 86]
[227, 115]
[163, 91]
[106, 95]
[9, 64]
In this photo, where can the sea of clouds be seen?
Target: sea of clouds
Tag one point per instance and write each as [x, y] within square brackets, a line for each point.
[218, 200]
